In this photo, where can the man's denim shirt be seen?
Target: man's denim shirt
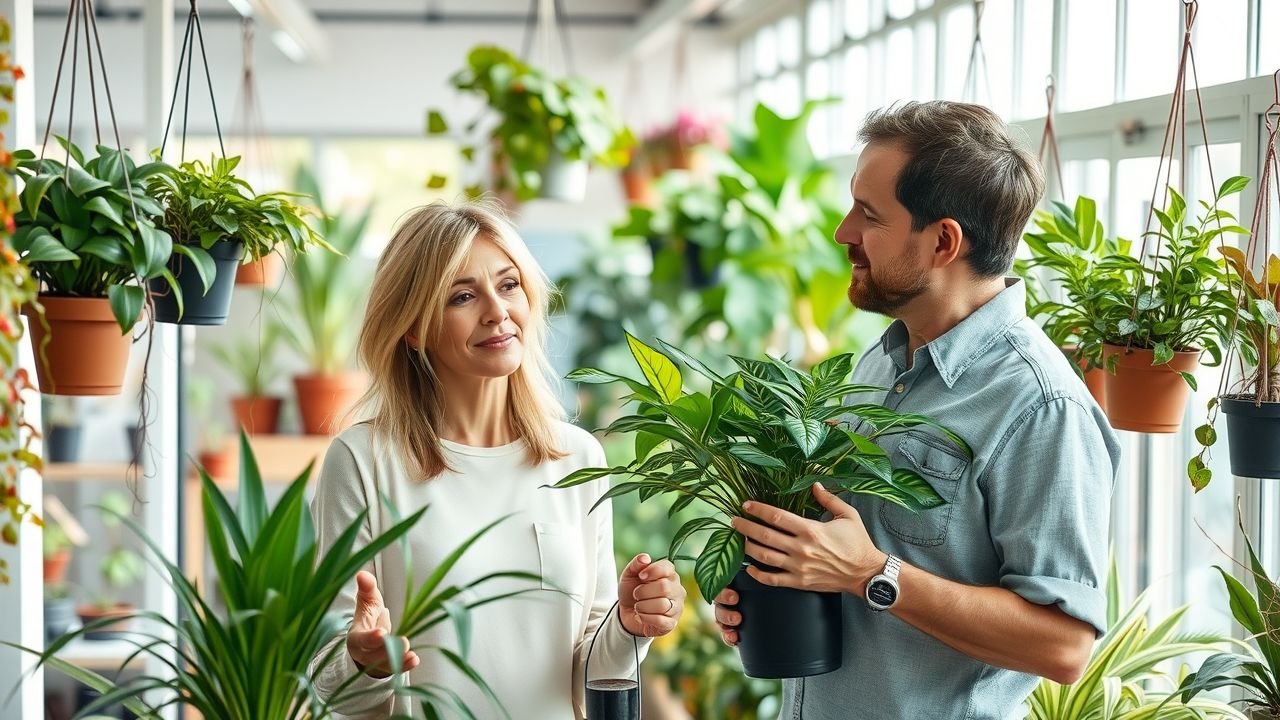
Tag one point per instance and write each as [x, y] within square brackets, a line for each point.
[1028, 513]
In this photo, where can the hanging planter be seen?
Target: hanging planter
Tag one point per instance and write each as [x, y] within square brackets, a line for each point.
[263, 272]
[85, 354]
[206, 301]
[1143, 397]
[787, 633]
[1253, 436]
[564, 179]
[542, 121]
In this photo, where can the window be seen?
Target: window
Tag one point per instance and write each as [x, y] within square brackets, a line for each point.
[1152, 45]
[1220, 31]
[856, 18]
[1088, 80]
[1037, 62]
[819, 31]
[1268, 31]
[957, 46]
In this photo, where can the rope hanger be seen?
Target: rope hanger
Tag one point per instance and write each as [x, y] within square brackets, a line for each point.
[1049, 139]
[193, 32]
[977, 57]
[543, 18]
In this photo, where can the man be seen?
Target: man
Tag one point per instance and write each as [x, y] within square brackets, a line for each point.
[1001, 585]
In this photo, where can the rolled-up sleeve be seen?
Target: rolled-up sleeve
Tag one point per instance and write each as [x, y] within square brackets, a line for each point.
[1048, 492]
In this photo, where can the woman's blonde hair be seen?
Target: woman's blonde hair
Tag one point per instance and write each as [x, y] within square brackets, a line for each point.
[410, 290]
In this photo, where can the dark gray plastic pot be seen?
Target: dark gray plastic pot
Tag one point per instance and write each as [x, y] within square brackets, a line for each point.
[199, 307]
[787, 633]
[1253, 435]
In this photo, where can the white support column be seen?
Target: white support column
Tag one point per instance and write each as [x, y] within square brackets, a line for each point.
[160, 489]
[22, 620]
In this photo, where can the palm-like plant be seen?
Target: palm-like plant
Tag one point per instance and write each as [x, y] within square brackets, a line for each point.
[254, 661]
[1119, 681]
[766, 432]
[328, 289]
[253, 360]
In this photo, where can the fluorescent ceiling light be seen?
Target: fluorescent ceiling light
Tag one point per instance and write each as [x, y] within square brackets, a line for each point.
[293, 27]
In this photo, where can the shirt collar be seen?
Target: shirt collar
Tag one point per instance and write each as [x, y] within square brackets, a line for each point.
[955, 350]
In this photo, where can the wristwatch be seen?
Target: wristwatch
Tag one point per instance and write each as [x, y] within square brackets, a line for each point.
[882, 590]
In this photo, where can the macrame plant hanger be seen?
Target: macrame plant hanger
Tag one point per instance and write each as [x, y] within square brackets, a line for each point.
[193, 33]
[544, 18]
[256, 152]
[977, 61]
[81, 16]
[1049, 139]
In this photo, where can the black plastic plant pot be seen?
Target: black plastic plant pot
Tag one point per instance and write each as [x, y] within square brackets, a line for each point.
[1253, 434]
[787, 633]
[613, 700]
[62, 443]
[199, 307]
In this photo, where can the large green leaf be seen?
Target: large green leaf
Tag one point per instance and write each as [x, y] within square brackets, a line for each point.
[720, 559]
[807, 432]
[126, 304]
[201, 260]
[662, 374]
[749, 454]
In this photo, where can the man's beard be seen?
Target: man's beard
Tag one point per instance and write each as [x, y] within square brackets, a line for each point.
[889, 291]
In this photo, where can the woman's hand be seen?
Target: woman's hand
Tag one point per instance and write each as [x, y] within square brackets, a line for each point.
[369, 628]
[650, 597]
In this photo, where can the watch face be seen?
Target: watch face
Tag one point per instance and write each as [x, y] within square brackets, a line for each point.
[882, 593]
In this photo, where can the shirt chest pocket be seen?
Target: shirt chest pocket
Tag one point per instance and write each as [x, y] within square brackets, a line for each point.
[943, 468]
[561, 562]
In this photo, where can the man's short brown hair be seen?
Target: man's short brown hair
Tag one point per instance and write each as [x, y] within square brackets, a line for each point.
[963, 165]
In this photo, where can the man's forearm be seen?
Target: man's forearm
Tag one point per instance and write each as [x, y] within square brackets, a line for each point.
[994, 625]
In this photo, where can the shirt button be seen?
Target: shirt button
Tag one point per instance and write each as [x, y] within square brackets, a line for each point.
[899, 388]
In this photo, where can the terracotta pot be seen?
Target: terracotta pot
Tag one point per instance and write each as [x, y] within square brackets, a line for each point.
[257, 415]
[217, 463]
[1143, 397]
[325, 400]
[93, 613]
[55, 567]
[637, 185]
[261, 273]
[86, 354]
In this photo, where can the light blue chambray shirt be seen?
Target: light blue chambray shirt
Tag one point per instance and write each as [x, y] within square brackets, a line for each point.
[1029, 513]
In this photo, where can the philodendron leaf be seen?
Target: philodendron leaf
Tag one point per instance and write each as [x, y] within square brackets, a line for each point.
[1190, 380]
[1206, 435]
[1161, 354]
[1198, 473]
[126, 304]
[1126, 327]
[749, 454]
[662, 374]
[918, 488]
[808, 433]
[719, 561]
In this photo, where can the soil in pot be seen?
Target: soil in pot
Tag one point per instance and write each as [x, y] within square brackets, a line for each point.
[1253, 436]
[787, 633]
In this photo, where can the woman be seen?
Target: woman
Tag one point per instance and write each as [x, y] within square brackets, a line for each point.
[463, 419]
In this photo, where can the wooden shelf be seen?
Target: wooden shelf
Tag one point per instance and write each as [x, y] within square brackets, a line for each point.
[281, 458]
[68, 472]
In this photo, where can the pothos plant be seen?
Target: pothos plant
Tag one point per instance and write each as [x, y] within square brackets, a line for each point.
[538, 116]
[88, 229]
[1181, 301]
[765, 432]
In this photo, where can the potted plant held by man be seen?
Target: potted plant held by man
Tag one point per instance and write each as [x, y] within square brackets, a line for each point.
[90, 239]
[1160, 316]
[766, 432]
